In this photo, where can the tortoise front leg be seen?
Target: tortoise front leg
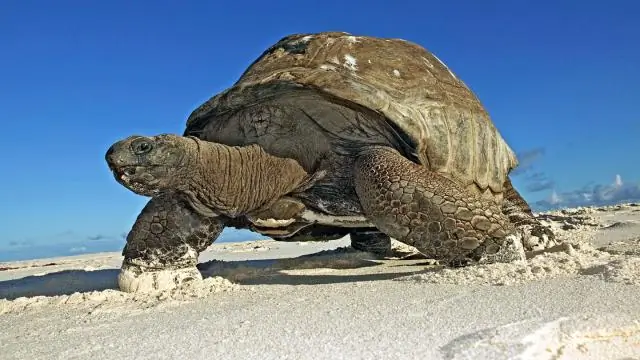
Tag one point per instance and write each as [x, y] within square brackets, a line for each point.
[427, 210]
[164, 243]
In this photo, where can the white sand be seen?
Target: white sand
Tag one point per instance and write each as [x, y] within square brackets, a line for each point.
[276, 300]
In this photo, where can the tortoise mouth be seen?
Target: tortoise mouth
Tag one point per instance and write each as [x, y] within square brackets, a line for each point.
[124, 172]
[137, 179]
[144, 172]
[127, 171]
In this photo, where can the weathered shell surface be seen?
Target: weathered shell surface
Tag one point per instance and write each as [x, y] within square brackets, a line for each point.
[409, 85]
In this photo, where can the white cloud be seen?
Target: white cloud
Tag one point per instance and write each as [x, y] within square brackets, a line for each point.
[618, 181]
[597, 195]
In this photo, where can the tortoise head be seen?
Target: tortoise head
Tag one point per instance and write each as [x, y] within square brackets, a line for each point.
[150, 165]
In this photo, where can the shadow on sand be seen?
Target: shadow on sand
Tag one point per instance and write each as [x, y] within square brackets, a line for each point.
[64, 282]
[243, 272]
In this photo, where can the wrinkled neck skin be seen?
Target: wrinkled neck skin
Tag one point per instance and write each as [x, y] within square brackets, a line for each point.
[233, 180]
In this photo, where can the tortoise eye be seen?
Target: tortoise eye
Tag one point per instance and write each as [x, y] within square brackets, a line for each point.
[141, 146]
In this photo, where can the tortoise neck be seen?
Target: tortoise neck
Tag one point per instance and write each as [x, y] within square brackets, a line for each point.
[233, 180]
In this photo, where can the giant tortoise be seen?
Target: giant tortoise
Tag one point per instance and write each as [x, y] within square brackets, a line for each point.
[326, 135]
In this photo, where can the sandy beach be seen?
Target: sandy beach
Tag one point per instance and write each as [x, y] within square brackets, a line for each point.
[321, 300]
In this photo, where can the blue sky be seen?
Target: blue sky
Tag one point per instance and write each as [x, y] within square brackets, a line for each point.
[560, 79]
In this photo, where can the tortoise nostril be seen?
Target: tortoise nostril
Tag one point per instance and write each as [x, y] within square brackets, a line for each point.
[112, 157]
[129, 171]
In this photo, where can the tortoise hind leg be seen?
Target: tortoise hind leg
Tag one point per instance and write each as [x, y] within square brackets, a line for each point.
[424, 209]
[373, 241]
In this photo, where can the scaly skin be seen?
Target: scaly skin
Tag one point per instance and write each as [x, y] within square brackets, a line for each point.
[164, 243]
[427, 210]
[215, 178]
[169, 234]
[284, 208]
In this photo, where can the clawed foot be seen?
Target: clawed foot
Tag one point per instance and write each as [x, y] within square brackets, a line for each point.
[135, 279]
[537, 237]
[510, 250]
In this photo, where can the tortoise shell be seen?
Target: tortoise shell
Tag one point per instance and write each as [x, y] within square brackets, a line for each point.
[452, 132]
